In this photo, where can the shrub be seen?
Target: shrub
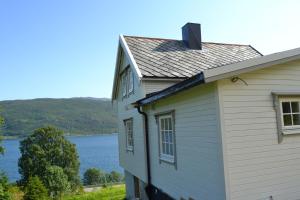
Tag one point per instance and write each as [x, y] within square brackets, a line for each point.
[115, 177]
[35, 190]
[93, 176]
[4, 187]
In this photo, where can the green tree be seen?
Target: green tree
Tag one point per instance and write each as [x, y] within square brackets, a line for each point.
[35, 190]
[4, 187]
[44, 148]
[115, 177]
[93, 176]
[56, 182]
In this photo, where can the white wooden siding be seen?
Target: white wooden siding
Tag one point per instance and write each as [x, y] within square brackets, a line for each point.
[155, 85]
[133, 162]
[199, 173]
[258, 167]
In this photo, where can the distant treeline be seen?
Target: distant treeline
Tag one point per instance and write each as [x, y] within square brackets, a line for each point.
[74, 116]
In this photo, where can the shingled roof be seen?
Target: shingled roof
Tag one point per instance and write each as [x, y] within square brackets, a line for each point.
[165, 58]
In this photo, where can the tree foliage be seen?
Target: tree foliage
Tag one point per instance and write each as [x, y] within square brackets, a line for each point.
[4, 187]
[93, 176]
[48, 147]
[35, 190]
[115, 177]
[56, 181]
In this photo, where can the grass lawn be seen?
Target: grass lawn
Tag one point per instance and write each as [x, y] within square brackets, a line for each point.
[109, 193]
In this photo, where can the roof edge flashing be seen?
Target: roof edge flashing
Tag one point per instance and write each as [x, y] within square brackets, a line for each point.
[172, 90]
[251, 64]
[129, 55]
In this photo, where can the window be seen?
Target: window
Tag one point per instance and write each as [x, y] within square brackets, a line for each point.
[127, 82]
[129, 134]
[166, 137]
[287, 107]
[130, 81]
[124, 85]
[290, 112]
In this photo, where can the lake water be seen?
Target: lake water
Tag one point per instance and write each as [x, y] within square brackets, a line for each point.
[99, 151]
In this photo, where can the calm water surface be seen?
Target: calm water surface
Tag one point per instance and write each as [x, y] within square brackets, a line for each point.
[94, 151]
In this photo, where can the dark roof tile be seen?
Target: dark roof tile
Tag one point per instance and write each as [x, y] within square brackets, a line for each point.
[171, 58]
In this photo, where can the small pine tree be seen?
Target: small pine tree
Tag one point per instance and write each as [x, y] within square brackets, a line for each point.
[35, 190]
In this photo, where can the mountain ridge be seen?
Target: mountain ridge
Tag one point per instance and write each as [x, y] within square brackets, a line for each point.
[75, 116]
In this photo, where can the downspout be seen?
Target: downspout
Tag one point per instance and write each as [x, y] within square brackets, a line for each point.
[149, 186]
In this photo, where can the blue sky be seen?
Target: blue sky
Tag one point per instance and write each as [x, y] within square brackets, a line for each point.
[67, 48]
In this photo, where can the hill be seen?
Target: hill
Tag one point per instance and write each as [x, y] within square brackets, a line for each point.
[74, 116]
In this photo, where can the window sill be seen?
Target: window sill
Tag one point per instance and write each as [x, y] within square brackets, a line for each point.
[291, 131]
[129, 149]
[167, 159]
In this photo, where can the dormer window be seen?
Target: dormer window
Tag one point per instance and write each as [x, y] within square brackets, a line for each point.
[127, 82]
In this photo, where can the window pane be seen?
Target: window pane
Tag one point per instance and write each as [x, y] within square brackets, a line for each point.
[166, 124]
[286, 107]
[130, 75]
[162, 124]
[171, 137]
[296, 119]
[171, 150]
[287, 120]
[164, 148]
[170, 124]
[167, 149]
[166, 137]
[295, 107]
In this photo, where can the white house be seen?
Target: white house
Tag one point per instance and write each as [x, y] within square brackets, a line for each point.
[211, 121]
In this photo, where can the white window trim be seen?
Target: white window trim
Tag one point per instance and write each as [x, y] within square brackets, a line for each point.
[293, 129]
[171, 159]
[278, 97]
[129, 147]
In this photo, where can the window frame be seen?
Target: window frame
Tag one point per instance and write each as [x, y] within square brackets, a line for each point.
[130, 81]
[124, 84]
[289, 100]
[167, 158]
[127, 80]
[278, 97]
[128, 146]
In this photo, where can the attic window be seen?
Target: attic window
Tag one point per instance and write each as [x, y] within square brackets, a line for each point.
[127, 82]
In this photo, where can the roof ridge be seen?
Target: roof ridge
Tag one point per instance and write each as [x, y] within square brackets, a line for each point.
[150, 38]
[168, 39]
[222, 43]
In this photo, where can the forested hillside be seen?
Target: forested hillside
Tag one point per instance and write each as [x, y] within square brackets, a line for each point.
[74, 115]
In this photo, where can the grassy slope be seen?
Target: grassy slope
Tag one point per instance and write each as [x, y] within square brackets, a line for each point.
[110, 193]
[74, 115]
